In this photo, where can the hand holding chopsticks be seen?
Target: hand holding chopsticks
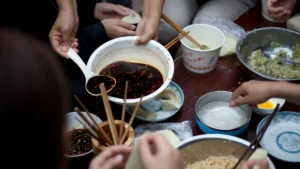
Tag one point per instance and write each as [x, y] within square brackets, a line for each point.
[258, 137]
[180, 30]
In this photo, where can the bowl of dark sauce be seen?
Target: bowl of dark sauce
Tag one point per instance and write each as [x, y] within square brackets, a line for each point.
[77, 139]
[148, 68]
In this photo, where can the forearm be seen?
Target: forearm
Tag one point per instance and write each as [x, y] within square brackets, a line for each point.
[287, 91]
[152, 9]
[67, 4]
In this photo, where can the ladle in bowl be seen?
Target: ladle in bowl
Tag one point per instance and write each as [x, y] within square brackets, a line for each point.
[92, 80]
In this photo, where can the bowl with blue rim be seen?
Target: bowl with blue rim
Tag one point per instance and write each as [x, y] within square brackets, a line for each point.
[215, 116]
[282, 138]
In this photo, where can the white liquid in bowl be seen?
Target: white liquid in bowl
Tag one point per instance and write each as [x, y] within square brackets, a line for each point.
[219, 115]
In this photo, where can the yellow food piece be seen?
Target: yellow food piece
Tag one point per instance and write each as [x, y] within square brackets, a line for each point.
[266, 105]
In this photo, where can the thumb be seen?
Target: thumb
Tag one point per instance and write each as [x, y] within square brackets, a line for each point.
[264, 164]
[113, 162]
[144, 38]
[66, 41]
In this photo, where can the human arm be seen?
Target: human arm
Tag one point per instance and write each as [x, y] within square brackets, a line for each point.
[112, 158]
[64, 29]
[148, 27]
[156, 152]
[256, 92]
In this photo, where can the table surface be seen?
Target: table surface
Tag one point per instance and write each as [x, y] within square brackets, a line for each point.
[226, 76]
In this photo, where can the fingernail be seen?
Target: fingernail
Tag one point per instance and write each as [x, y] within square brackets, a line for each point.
[136, 42]
[133, 27]
[231, 104]
[119, 158]
[65, 48]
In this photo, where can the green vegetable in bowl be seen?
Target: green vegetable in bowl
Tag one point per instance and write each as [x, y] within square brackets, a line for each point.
[195, 47]
[273, 68]
[274, 45]
[296, 52]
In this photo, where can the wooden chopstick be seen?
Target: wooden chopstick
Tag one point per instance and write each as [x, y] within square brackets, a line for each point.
[110, 117]
[175, 40]
[131, 120]
[258, 137]
[97, 128]
[123, 113]
[180, 30]
[84, 118]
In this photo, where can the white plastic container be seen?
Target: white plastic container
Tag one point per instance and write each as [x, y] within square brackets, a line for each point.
[124, 49]
[202, 61]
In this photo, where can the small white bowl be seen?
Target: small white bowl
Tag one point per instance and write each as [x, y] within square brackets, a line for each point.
[124, 49]
[265, 112]
[72, 123]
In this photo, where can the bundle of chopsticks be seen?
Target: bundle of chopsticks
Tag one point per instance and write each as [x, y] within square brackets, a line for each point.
[254, 144]
[182, 34]
[118, 135]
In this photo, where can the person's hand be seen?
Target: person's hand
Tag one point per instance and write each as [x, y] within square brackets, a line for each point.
[263, 164]
[112, 158]
[252, 92]
[156, 152]
[147, 29]
[63, 31]
[280, 10]
[104, 10]
[116, 28]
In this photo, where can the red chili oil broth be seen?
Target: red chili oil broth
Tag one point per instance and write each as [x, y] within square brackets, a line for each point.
[79, 142]
[142, 79]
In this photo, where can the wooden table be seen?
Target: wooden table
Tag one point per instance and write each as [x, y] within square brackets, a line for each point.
[226, 76]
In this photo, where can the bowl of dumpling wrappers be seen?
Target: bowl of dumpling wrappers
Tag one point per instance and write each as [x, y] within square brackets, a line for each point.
[270, 54]
[216, 151]
[163, 106]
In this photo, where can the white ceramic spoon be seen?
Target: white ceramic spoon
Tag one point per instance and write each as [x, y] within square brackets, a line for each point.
[92, 80]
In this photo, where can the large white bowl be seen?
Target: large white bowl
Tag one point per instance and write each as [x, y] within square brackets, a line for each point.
[124, 49]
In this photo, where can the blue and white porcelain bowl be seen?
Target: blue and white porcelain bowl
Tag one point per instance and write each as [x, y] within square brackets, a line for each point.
[282, 138]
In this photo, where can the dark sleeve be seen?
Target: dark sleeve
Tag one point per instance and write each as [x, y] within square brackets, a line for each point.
[90, 38]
